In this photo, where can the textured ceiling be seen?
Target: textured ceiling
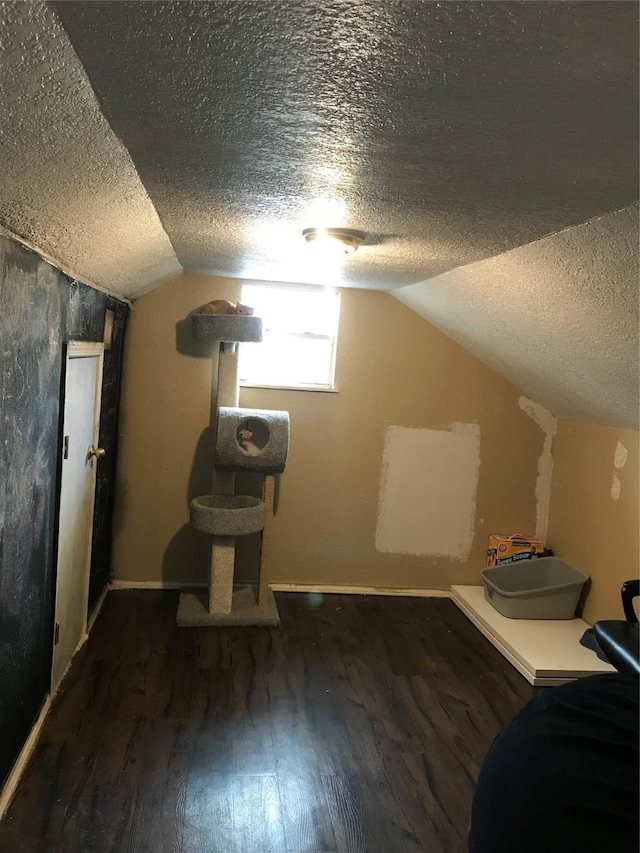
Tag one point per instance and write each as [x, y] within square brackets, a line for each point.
[452, 133]
[67, 184]
[558, 317]
[449, 132]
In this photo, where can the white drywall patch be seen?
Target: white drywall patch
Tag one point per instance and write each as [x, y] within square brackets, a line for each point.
[548, 424]
[616, 487]
[428, 491]
[620, 456]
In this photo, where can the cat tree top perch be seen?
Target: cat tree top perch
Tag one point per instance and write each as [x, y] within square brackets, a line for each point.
[229, 328]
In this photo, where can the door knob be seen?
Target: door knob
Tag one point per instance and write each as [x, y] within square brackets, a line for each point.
[97, 452]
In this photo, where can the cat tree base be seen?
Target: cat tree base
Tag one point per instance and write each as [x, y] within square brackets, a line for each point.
[193, 609]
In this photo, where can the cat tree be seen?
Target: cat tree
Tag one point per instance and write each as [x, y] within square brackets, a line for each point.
[245, 440]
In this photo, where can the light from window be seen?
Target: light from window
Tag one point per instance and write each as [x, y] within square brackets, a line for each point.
[299, 337]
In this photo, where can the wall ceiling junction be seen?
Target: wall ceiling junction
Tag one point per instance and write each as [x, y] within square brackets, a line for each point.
[449, 132]
[67, 183]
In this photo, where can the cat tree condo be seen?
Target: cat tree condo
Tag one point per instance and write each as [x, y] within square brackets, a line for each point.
[245, 440]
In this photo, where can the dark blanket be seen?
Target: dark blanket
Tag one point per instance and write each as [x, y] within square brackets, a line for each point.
[563, 775]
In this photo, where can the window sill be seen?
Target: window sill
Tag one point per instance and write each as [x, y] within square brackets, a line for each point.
[325, 390]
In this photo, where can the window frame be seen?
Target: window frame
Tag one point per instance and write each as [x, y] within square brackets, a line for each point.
[332, 339]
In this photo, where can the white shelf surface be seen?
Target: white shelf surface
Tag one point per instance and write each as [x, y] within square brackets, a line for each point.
[544, 651]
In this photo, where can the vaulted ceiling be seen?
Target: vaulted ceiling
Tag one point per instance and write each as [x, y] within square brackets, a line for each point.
[141, 138]
[448, 132]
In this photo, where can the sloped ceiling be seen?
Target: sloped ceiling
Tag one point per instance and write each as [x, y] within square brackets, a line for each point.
[558, 317]
[67, 183]
[140, 138]
[449, 132]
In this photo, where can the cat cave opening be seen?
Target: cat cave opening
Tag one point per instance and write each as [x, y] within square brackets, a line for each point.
[252, 436]
[252, 439]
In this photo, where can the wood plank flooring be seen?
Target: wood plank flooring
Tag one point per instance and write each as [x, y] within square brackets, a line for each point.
[358, 726]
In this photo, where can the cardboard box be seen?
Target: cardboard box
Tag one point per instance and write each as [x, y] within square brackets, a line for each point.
[511, 549]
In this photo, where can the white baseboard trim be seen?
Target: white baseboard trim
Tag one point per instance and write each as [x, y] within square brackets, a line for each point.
[97, 607]
[347, 589]
[83, 639]
[9, 787]
[118, 583]
[327, 588]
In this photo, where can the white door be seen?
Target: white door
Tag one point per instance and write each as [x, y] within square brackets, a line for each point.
[77, 493]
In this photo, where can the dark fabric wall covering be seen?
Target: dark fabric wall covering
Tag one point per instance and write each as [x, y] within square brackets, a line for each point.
[40, 309]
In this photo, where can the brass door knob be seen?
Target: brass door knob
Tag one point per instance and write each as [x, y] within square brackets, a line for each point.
[97, 452]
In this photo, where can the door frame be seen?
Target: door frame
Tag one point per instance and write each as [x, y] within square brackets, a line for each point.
[73, 350]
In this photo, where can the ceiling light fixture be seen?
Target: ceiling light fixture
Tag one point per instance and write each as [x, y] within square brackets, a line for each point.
[335, 240]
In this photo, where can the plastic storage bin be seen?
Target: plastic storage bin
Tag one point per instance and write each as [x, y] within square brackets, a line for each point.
[545, 588]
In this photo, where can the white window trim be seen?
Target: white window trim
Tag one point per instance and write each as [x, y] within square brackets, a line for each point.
[328, 388]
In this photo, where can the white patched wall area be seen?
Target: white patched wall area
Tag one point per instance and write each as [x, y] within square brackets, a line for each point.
[619, 461]
[427, 500]
[548, 424]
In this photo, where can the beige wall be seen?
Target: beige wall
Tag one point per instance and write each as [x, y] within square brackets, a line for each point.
[393, 369]
[587, 526]
[164, 457]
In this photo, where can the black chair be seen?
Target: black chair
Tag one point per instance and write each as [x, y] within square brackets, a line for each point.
[563, 775]
[620, 639]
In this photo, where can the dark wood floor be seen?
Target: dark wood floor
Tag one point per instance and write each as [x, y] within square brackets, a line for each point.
[358, 725]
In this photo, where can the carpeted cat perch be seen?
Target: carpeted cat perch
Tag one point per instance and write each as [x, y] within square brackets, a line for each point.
[246, 439]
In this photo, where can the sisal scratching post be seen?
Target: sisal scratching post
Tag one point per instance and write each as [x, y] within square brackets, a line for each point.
[269, 491]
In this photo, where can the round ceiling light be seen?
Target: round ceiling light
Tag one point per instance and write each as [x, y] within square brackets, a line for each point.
[338, 240]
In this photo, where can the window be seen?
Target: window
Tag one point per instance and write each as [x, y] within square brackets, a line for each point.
[300, 327]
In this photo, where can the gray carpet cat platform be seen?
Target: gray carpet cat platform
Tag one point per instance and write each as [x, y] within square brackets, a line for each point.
[227, 515]
[193, 612]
